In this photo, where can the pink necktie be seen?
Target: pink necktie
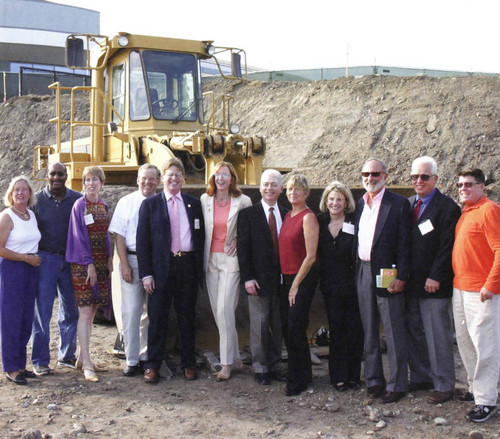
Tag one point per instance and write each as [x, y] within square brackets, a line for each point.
[175, 227]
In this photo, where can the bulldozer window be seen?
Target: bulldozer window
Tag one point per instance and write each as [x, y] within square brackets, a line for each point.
[172, 79]
[118, 89]
[139, 105]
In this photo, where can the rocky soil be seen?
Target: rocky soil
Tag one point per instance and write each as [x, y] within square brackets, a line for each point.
[326, 129]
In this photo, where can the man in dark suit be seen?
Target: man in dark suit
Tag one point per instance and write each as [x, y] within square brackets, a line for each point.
[428, 304]
[258, 259]
[382, 221]
[170, 239]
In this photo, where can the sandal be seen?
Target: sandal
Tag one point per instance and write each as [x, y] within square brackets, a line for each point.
[224, 374]
[90, 375]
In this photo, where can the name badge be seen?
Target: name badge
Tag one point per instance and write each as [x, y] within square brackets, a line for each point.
[348, 228]
[89, 219]
[196, 223]
[426, 227]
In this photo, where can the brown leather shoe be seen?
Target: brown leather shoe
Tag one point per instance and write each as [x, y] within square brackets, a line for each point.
[391, 397]
[151, 376]
[439, 397]
[190, 373]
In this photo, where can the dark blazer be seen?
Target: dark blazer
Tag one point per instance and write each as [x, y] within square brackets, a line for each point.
[431, 253]
[256, 256]
[153, 237]
[336, 258]
[391, 242]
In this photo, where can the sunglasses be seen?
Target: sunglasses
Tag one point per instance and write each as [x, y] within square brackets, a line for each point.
[373, 174]
[466, 184]
[423, 177]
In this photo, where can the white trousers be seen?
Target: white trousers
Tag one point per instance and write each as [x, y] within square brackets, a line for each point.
[134, 316]
[477, 325]
[223, 288]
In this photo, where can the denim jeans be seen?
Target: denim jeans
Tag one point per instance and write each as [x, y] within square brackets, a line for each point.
[55, 278]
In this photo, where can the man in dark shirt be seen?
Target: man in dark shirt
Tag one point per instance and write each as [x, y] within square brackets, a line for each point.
[52, 210]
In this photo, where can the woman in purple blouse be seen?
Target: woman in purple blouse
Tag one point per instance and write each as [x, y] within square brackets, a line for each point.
[89, 252]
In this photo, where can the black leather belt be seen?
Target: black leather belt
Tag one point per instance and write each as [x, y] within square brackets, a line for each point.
[56, 252]
[180, 254]
[131, 252]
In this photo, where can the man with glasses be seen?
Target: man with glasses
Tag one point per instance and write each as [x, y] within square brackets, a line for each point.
[428, 303]
[133, 296]
[52, 210]
[169, 243]
[476, 290]
[382, 221]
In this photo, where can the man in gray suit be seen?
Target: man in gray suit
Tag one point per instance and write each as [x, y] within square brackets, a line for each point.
[382, 221]
[428, 305]
[258, 257]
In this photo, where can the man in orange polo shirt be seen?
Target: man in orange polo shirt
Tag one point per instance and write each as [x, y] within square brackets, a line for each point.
[476, 292]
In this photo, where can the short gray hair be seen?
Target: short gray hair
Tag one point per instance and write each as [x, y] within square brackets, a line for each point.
[373, 159]
[425, 160]
[272, 173]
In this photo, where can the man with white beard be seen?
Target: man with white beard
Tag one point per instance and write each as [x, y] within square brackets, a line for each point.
[382, 232]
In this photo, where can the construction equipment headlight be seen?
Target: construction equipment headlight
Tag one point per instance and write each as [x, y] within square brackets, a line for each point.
[123, 40]
[234, 128]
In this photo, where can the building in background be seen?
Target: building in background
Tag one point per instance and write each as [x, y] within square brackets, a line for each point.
[33, 35]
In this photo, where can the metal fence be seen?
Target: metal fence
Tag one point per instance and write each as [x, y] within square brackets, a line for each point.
[36, 81]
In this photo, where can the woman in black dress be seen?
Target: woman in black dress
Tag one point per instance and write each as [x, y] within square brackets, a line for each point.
[335, 249]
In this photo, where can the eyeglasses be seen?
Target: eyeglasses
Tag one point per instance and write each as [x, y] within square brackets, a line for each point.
[467, 184]
[217, 175]
[373, 174]
[170, 175]
[423, 177]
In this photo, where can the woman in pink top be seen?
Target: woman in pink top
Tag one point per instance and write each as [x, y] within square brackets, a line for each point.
[221, 204]
[298, 245]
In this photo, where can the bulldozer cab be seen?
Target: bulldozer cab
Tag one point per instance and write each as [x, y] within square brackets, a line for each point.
[147, 105]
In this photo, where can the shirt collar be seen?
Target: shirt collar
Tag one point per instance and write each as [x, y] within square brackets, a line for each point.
[479, 203]
[49, 194]
[427, 198]
[168, 195]
[267, 206]
[377, 199]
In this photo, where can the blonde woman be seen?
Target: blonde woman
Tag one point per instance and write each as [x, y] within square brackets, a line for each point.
[221, 204]
[89, 252]
[19, 262]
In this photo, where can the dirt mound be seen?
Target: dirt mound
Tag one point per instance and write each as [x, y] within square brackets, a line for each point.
[328, 128]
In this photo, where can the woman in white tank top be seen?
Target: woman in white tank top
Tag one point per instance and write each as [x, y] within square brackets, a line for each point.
[19, 262]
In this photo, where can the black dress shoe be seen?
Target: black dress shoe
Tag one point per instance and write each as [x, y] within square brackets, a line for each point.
[340, 387]
[292, 391]
[413, 387]
[354, 385]
[390, 397]
[18, 379]
[277, 375]
[28, 374]
[464, 396]
[131, 371]
[375, 391]
[263, 378]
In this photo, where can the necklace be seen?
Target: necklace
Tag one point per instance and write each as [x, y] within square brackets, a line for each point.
[336, 223]
[25, 215]
[222, 203]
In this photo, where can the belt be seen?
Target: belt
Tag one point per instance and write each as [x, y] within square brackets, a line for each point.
[56, 252]
[180, 254]
[131, 252]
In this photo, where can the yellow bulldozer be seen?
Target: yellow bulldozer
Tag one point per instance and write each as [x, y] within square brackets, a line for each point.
[147, 105]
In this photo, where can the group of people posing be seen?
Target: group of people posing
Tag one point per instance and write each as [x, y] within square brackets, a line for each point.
[410, 264]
